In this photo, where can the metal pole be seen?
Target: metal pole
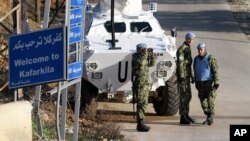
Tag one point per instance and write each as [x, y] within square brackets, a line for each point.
[77, 110]
[65, 90]
[78, 88]
[24, 29]
[37, 110]
[46, 13]
[64, 113]
[112, 24]
[15, 95]
[57, 112]
[18, 17]
[39, 87]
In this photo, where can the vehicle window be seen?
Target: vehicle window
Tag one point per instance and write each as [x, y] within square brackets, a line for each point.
[140, 27]
[119, 26]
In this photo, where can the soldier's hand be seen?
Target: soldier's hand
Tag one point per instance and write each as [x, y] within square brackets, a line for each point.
[216, 86]
[150, 50]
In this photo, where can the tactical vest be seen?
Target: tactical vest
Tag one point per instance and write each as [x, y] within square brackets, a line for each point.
[202, 68]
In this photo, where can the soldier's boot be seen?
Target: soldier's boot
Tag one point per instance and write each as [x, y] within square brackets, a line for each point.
[190, 119]
[184, 120]
[210, 119]
[141, 127]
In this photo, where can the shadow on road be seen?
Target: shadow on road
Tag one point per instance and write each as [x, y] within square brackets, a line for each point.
[152, 118]
[213, 21]
[223, 39]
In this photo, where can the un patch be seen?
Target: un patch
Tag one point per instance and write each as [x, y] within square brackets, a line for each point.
[239, 132]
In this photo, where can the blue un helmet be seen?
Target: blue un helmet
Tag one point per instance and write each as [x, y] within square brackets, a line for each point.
[201, 45]
[190, 35]
[141, 46]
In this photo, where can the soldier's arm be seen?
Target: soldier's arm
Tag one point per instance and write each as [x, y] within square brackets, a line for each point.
[193, 70]
[151, 59]
[215, 67]
[133, 67]
[180, 65]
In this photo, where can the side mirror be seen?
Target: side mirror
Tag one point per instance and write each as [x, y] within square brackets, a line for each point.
[173, 32]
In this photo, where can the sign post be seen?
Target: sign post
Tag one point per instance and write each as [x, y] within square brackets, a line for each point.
[39, 87]
[76, 34]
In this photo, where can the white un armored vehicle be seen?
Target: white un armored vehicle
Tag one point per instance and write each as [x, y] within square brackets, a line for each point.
[112, 37]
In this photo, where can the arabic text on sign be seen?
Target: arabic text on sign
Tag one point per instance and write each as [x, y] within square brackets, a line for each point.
[41, 41]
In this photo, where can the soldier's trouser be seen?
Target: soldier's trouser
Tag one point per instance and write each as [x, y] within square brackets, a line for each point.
[207, 96]
[185, 97]
[142, 101]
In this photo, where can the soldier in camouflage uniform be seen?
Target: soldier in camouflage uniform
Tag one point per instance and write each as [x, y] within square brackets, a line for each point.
[206, 81]
[185, 76]
[141, 61]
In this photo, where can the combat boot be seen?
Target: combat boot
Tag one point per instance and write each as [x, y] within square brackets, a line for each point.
[141, 127]
[184, 120]
[190, 119]
[210, 119]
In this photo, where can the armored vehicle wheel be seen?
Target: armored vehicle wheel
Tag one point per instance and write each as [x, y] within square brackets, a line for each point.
[89, 94]
[166, 100]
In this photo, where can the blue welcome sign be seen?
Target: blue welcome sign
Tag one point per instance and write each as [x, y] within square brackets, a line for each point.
[37, 57]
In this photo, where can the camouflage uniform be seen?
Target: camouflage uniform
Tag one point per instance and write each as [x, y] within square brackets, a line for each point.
[184, 75]
[140, 70]
[206, 91]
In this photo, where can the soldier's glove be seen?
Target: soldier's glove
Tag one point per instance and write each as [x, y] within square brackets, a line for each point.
[216, 86]
[150, 50]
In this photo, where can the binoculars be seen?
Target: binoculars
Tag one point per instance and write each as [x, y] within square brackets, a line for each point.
[150, 50]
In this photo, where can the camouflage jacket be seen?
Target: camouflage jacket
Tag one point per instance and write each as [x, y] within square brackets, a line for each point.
[140, 68]
[184, 62]
[214, 68]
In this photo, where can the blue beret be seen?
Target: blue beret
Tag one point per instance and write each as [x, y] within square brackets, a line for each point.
[190, 35]
[201, 45]
[141, 45]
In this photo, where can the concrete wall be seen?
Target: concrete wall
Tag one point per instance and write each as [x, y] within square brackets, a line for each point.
[15, 121]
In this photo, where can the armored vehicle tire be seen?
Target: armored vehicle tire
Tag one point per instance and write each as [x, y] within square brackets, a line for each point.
[166, 101]
[88, 102]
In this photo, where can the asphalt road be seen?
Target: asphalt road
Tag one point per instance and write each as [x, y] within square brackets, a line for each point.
[213, 24]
